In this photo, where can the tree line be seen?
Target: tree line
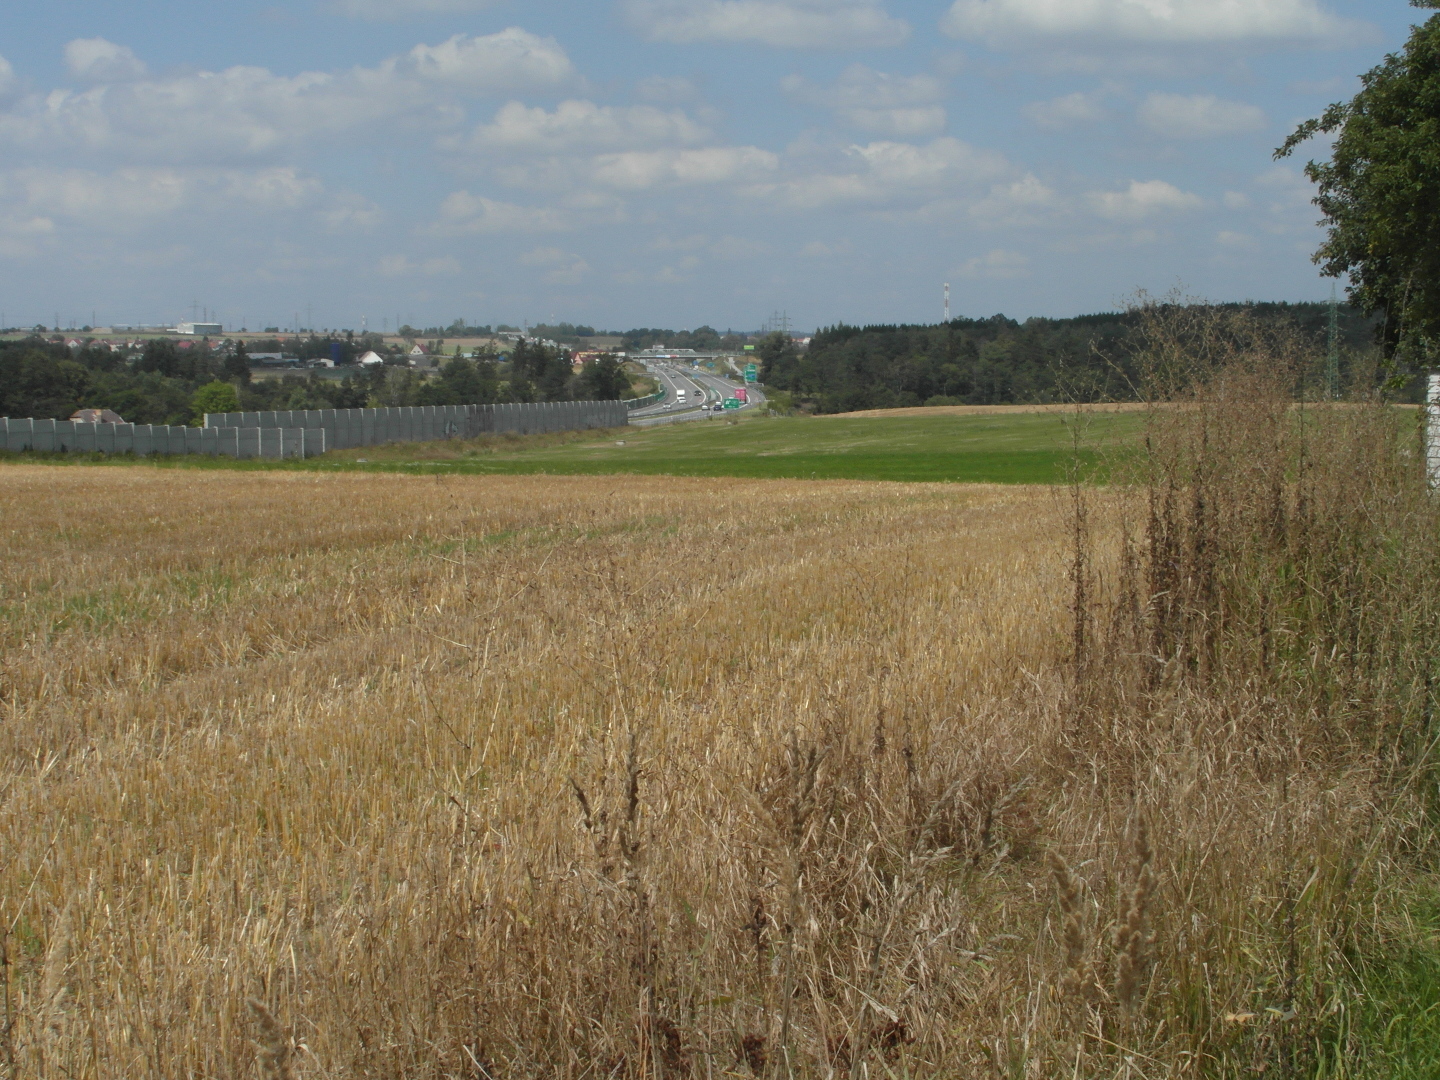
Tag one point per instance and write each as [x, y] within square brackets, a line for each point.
[998, 360]
[162, 383]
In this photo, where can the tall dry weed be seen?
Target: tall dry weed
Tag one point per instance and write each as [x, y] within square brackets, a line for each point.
[566, 777]
[1263, 606]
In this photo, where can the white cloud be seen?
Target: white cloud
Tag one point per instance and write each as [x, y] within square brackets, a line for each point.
[404, 266]
[351, 212]
[247, 112]
[576, 125]
[898, 105]
[8, 82]
[739, 247]
[997, 264]
[564, 268]
[1198, 116]
[641, 169]
[1065, 111]
[1026, 201]
[1000, 22]
[1236, 200]
[462, 212]
[132, 200]
[795, 24]
[98, 60]
[863, 87]
[900, 123]
[887, 173]
[399, 9]
[1229, 239]
[511, 59]
[1142, 199]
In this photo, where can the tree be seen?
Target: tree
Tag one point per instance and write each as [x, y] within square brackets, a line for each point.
[215, 397]
[603, 379]
[237, 364]
[1380, 190]
[778, 360]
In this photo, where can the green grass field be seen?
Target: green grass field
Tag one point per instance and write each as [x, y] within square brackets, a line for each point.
[1016, 448]
[1030, 448]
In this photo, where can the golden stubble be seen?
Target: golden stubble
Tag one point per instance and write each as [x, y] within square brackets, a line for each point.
[616, 776]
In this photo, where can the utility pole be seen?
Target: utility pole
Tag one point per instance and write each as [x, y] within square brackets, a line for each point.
[947, 301]
[1332, 353]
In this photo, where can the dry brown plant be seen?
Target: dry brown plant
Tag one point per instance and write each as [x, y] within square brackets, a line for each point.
[609, 777]
[277, 1047]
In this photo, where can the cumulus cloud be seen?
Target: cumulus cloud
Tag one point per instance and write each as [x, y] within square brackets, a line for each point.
[1000, 22]
[512, 59]
[462, 212]
[998, 263]
[562, 267]
[125, 200]
[891, 173]
[1026, 201]
[401, 9]
[245, 112]
[1066, 111]
[1198, 116]
[404, 266]
[1142, 199]
[794, 24]
[904, 106]
[98, 60]
[642, 169]
[578, 125]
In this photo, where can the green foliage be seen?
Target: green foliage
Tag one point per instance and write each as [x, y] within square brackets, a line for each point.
[994, 361]
[35, 383]
[462, 382]
[215, 397]
[237, 365]
[701, 339]
[603, 379]
[1380, 190]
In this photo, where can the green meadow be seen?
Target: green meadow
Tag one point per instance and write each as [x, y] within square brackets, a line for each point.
[1024, 448]
[1013, 448]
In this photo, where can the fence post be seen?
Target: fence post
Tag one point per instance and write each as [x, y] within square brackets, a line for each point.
[1432, 429]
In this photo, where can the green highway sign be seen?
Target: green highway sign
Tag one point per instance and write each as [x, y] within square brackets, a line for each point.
[732, 403]
[751, 372]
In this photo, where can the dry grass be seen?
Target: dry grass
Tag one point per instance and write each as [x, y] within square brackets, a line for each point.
[309, 740]
[603, 777]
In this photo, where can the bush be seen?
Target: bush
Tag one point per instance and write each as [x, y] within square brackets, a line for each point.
[215, 397]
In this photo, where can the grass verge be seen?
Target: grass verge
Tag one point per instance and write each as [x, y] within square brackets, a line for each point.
[1004, 449]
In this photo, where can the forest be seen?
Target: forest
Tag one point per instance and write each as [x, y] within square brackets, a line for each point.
[999, 361]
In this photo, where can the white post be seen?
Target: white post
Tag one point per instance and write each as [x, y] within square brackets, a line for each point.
[1432, 430]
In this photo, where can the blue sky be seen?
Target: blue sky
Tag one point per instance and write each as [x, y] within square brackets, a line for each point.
[659, 162]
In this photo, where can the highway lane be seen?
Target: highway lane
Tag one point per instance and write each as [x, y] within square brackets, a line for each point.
[702, 390]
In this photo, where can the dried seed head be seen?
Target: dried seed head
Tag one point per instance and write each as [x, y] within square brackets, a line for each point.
[277, 1048]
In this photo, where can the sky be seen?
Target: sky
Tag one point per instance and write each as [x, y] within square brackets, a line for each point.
[667, 163]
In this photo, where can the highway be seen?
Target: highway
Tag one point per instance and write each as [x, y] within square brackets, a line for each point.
[701, 390]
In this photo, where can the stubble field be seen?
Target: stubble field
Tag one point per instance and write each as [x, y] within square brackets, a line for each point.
[319, 741]
[361, 774]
